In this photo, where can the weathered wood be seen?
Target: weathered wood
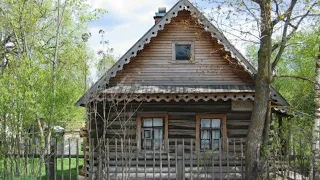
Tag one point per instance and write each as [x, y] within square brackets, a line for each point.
[55, 142]
[116, 141]
[77, 156]
[158, 55]
[242, 175]
[191, 158]
[160, 155]
[62, 157]
[168, 157]
[180, 162]
[69, 145]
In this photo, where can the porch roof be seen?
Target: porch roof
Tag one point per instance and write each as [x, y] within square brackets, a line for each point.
[174, 89]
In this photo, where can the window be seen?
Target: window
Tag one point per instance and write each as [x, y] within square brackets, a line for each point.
[210, 133]
[182, 51]
[152, 133]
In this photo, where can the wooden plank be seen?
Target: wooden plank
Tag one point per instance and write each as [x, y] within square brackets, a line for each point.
[137, 159]
[160, 155]
[166, 130]
[122, 160]
[138, 133]
[18, 163]
[198, 134]
[235, 159]
[145, 164]
[34, 150]
[242, 159]
[108, 159]
[116, 141]
[11, 160]
[77, 156]
[183, 158]
[168, 158]
[26, 158]
[220, 158]
[228, 156]
[176, 154]
[212, 159]
[130, 157]
[198, 160]
[61, 157]
[191, 159]
[154, 160]
[69, 144]
[55, 157]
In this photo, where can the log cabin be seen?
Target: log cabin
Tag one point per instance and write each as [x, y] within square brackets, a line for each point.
[176, 105]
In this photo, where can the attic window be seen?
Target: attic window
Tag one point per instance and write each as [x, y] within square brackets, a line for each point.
[182, 51]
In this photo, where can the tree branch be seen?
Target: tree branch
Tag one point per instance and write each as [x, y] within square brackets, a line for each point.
[256, 1]
[288, 12]
[295, 77]
[286, 37]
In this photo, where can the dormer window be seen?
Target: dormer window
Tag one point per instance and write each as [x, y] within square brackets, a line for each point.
[183, 51]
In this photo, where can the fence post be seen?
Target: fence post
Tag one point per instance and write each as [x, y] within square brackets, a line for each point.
[180, 163]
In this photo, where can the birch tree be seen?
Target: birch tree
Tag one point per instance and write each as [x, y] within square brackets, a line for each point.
[315, 174]
[43, 65]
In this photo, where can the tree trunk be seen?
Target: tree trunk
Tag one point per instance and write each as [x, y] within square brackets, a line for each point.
[262, 94]
[316, 141]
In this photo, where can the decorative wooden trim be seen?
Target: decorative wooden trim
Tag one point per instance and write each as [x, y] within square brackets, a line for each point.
[166, 128]
[223, 118]
[178, 97]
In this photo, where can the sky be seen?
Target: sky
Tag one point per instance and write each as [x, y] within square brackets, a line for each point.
[126, 21]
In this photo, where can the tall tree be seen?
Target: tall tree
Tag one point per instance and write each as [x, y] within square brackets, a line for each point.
[316, 130]
[270, 17]
[42, 65]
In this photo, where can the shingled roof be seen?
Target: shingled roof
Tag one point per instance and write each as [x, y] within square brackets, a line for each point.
[102, 84]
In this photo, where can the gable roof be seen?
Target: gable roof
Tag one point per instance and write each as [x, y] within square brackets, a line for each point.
[102, 83]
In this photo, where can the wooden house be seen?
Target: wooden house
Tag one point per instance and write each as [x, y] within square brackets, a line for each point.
[179, 101]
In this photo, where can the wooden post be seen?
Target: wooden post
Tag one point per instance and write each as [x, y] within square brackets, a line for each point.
[180, 164]
[55, 142]
[61, 155]
[69, 143]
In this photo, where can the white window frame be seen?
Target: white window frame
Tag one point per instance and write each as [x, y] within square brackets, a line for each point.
[192, 58]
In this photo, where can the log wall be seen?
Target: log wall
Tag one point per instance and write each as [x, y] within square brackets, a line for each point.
[181, 119]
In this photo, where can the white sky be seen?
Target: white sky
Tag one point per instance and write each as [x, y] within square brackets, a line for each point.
[127, 20]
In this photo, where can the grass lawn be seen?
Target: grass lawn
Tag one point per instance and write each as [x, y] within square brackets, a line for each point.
[33, 169]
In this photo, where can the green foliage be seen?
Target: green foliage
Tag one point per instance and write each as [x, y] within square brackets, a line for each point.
[299, 60]
[28, 43]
